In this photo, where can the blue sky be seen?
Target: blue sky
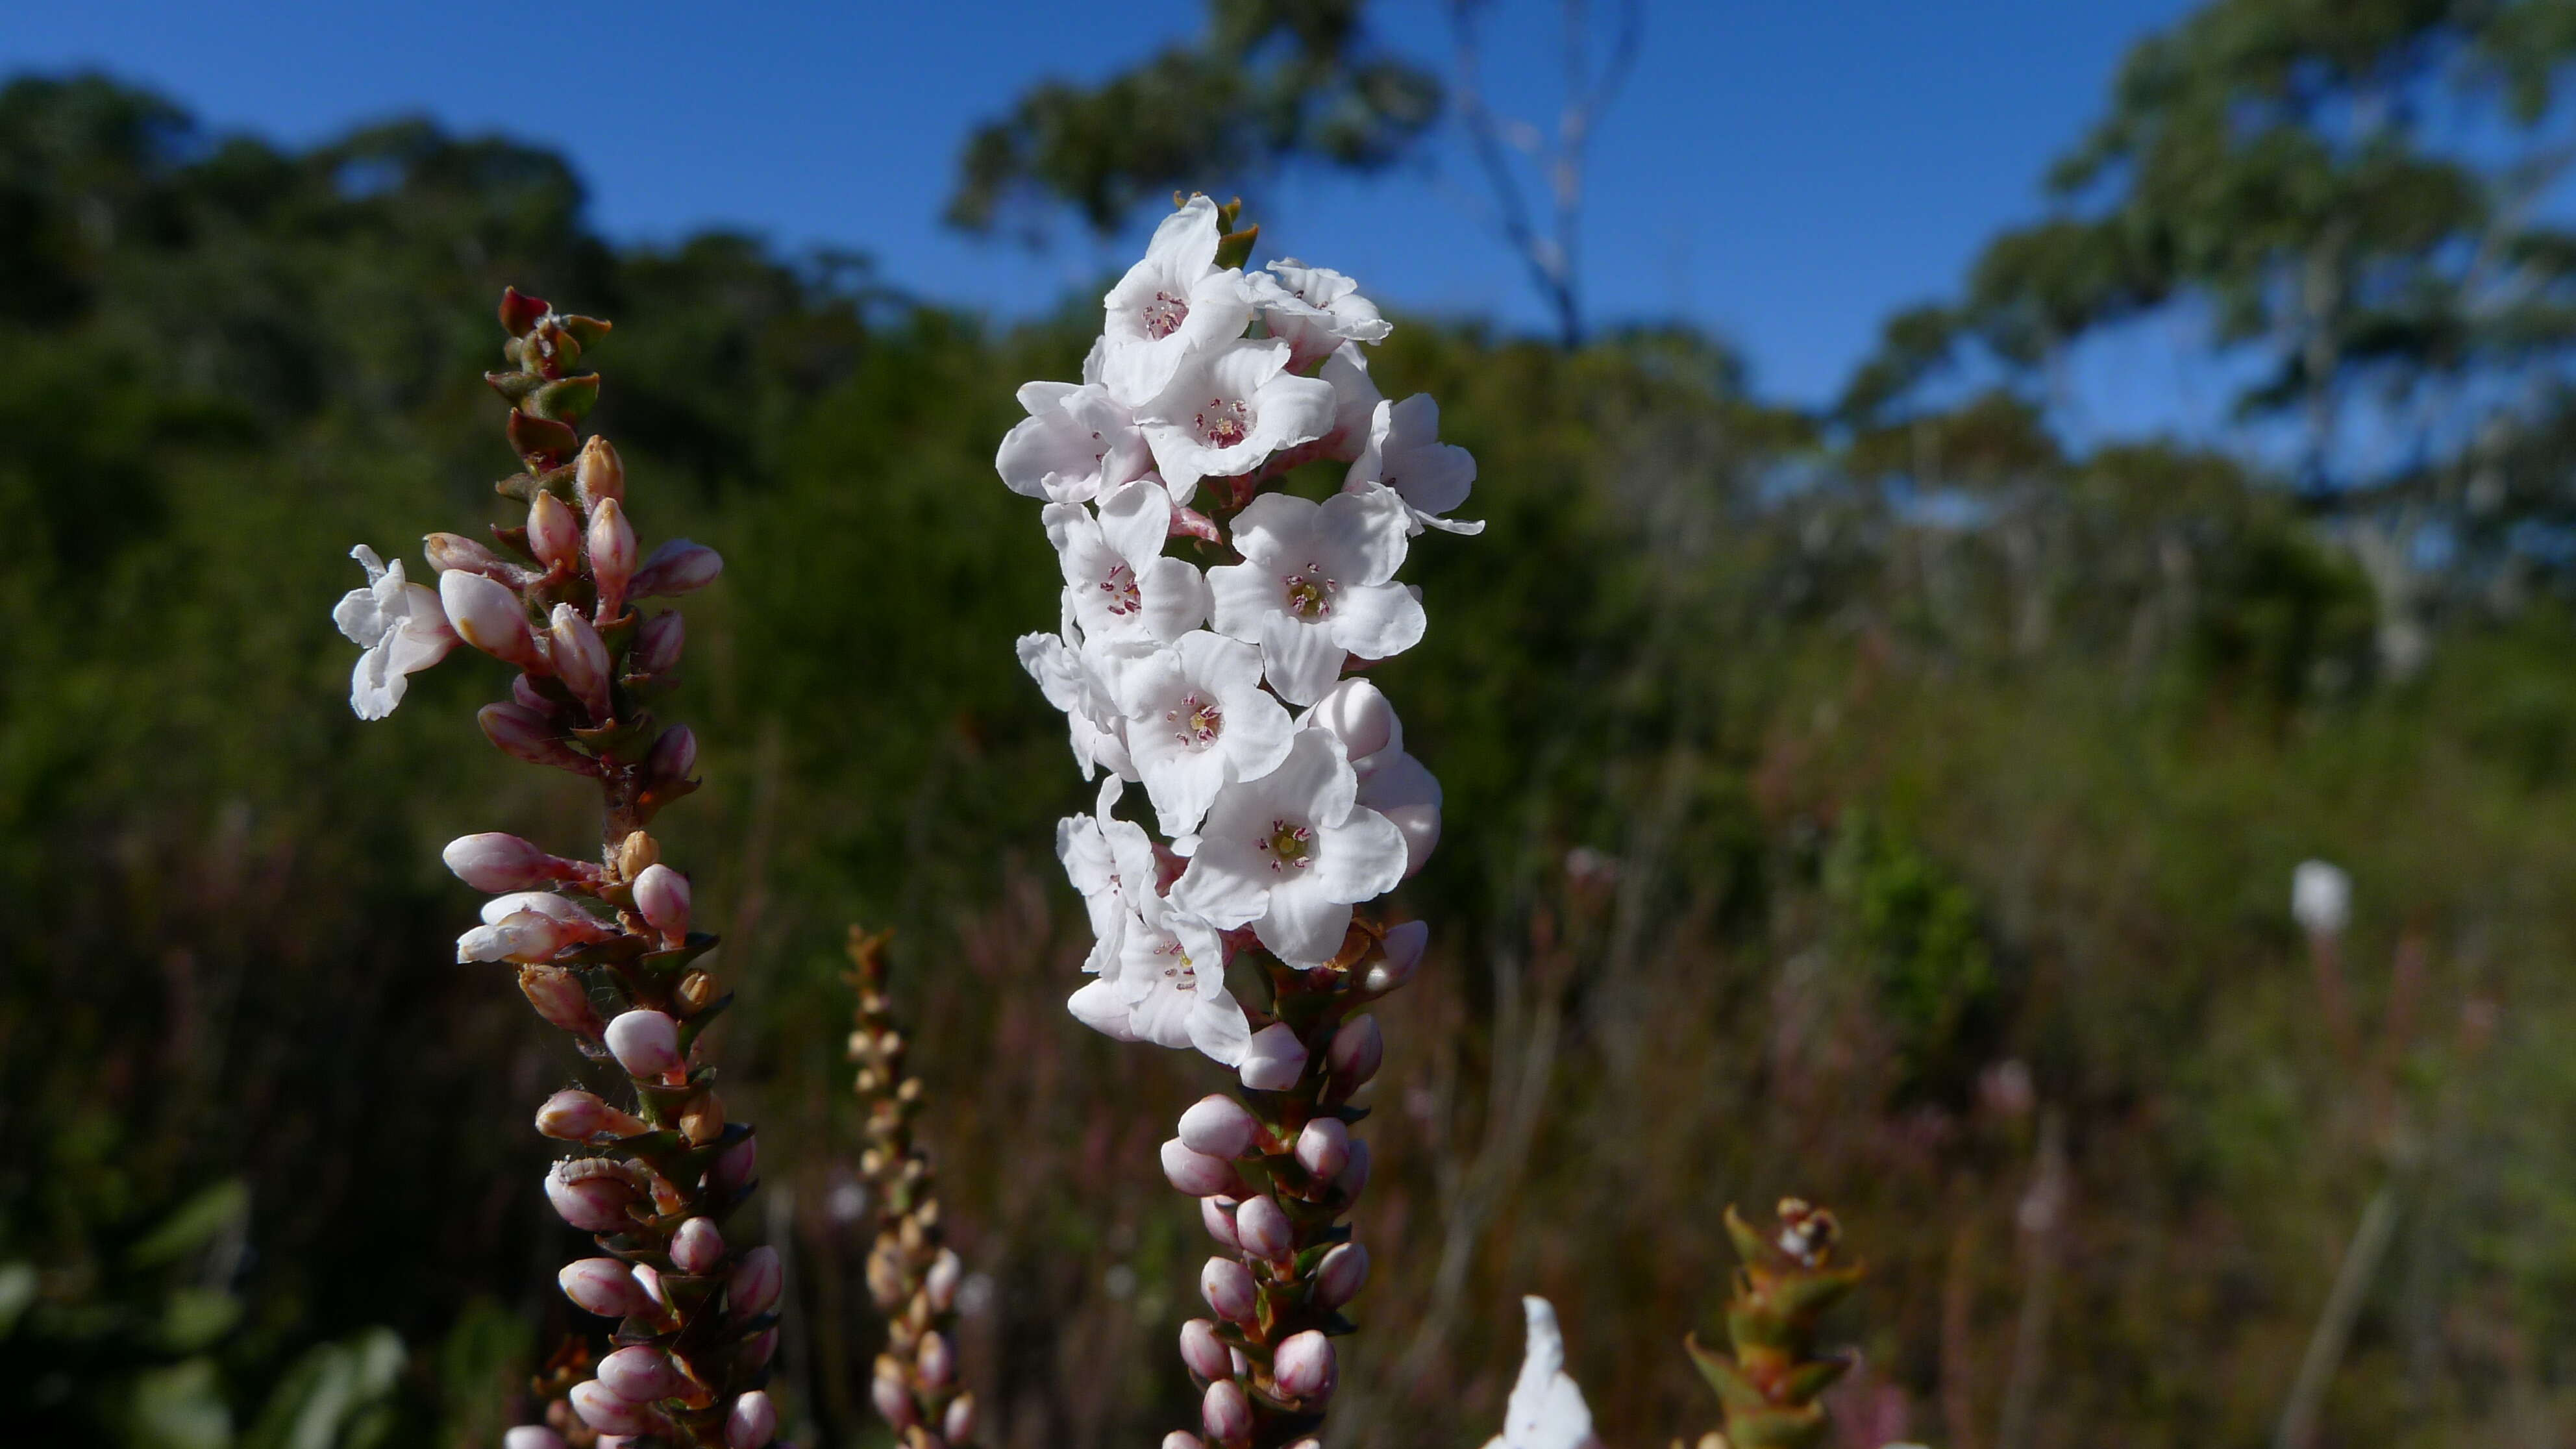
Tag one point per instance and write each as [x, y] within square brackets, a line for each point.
[1785, 174]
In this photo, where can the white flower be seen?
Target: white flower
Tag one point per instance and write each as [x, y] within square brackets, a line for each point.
[1546, 1409]
[529, 926]
[1118, 586]
[1111, 861]
[1355, 403]
[1169, 305]
[1315, 308]
[1392, 782]
[1197, 720]
[1314, 584]
[1405, 453]
[2320, 898]
[1076, 443]
[1168, 987]
[1289, 854]
[399, 628]
[1071, 682]
[1227, 409]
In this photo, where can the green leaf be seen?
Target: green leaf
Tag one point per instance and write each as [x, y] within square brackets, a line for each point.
[180, 1407]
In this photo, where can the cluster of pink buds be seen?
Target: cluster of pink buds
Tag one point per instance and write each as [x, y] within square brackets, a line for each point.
[604, 949]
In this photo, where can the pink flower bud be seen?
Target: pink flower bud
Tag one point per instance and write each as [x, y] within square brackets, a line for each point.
[641, 1374]
[599, 475]
[1420, 827]
[651, 1282]
[554, 534]
[1217, 1213]
[645, 1043]
[1357, 1050]
[658, 642]
[697, 1247]
[1196, 1173]
[757, 1350]
[560, 998]
[1322, 1149]
[1203, 1351]
[447, 551]
[572, 1116]
[1227, 1286]
[894, 1402]
[662, 897]
[958, 1424]
[1402, 948]
[1354, 1175]
[677, 567]
[1357, 711]
[675, 754]
[751, 1423]
[1274, 1059]
[532, 1436]
[752, 1289]
[1183, 1439]
[737, 1165]
[606, 1287]
[936, 1361]
[1264, 1228]
[499, 863]
[524, 734]
[1219, 1127]
[524, 694]
[590, 1199]
[1303, 1368]
[1339, 1276]
[1225, 1413]
[602, 1409]
[946, 1272]
[487, 615]
[612, 555]
[581, 660]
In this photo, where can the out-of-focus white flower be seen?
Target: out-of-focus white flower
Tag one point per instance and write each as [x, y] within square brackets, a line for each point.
[1227, 409]
[1404, 452]
[1168, 987]
[1546, 1409]
[1111, 861]
[1289, 854]
[1077, 442]
[399, 629]
[1315, 308]
[1118, 586]
[1197, 719]
[1172, 303]
[1316, 585]
[1066, 676]
[2320, 898]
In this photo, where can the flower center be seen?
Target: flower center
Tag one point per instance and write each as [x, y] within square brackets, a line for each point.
[1176, 964]
[1165, 314]
[1124, 597]
[1288, 844]
[1310, 594]
[1197, 722]
[1223, 423]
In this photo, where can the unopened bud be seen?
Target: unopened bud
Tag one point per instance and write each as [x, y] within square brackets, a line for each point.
[650, 1280]
[581, 660]
[591, 1195]
[524, 734]
[697, 1247]
[606, 1287]
[1264, 1229]
[737, 1165]
[612, 556]
[940, 1283]
[1357, 711]
[894, 1401]
[645, 1043]
[658, 642]
[1217, 1214]
[641, 1374]
[1339, 1276]
[1203, 1351]
[752, 1288]
[600, 476]
[499, 864]
[675, 754]
[1219, 1127]
[1303, 1367]
[1357, 1050]
[1403, 947]
[1227, 1286]
[958, 1424]
[1420, 827]
[1354, 1174]
[602, 1409]
[573, 1116]
[696, 990]
[447, 551]
[554, 533]
[677, 567]
[1225, 1413]
[559, 997]
[1196, 1173]
[487, 615]
[525, 694]
[532, 1436]
[936, 1361]
[704, 1122]
[757, 1350]
[751, 1423]
[636, 853]
[1274, 1059]
[1322, 1149]
[1183, 1439]
[662, 897]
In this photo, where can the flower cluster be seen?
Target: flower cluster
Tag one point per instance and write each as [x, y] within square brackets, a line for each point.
[603, 950]
[1211, 610]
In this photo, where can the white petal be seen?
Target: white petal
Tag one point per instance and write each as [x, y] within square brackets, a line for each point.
[1102, 1006]
[1301, 659]
[1303, 926]
[1546, 1409]
[1360, 859]
[1377, 621]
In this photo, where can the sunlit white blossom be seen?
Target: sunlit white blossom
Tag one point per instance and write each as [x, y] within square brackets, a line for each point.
[1071, 681]
[1118, 585]
[1546, 1410]
[399, 629]
[1167, 987]
[1315, 585]
[1289, 854]
[1355, 403]
[1075, 443]
[1196, 720]
[1315, 308]
[1174, 302]
[1392, 782]
[1227, 409]
[1111, 862]
[1404, 452]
